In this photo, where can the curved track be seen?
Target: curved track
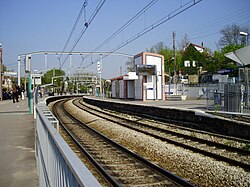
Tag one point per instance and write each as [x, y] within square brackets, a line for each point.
[217, 150]
[118, 165]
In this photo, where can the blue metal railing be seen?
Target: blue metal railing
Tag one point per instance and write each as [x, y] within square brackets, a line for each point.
[57, 164]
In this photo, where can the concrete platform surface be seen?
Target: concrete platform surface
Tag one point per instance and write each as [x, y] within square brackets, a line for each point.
[200, 104]
[17, 145]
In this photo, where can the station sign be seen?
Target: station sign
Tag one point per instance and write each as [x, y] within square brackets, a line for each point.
[225, 71]
[9, 74]
[144, 69]
[36, 79]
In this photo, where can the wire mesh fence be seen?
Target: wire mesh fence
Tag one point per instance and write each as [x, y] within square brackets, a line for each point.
[228, 97]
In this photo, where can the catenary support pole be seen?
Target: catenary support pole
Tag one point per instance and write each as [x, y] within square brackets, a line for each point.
[30, 94]
[19, 71]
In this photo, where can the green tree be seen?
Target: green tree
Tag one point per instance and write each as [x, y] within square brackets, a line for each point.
[231, 47]
[169, 60]
[47, 78]
[4, 68]
[219, 61]
[216, 62]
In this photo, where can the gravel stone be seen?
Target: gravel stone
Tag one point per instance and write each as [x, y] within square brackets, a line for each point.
[194, 167]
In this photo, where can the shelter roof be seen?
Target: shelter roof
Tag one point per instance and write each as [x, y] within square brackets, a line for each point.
[117, 78]
[241, 56]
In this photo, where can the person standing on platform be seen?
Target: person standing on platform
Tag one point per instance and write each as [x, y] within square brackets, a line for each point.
[22, 92]
[14, 92]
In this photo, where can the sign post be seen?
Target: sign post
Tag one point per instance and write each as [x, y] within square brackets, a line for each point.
[29, 89]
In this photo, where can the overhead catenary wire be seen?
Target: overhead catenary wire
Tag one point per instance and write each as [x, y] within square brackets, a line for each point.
[74, 26]
[212, 27]
[211, 34]
[130, 21]
[200, 31]
[219, 24]
[239, 14]
[86, 26]
[166, 18]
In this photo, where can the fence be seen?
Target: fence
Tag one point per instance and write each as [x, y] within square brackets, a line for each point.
[228, 97]
[58, 165]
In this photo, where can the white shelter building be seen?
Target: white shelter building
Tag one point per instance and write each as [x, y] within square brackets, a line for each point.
[146, 83]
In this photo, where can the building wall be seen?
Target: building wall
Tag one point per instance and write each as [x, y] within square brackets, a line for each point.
[113, 89]
[156, 80]
[121, 89]
[138, 88]
[130, 89]
[152, 86]
[148, 86]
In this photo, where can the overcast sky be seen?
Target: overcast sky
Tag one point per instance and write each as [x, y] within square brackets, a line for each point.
[32, 25]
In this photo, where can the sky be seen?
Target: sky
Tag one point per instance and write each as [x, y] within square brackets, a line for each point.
[31, 25]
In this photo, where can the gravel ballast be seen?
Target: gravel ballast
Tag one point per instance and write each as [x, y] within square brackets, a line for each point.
[196, 168]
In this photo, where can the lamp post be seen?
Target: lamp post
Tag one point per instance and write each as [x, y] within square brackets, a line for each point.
[99, 69]
[29, 90]
[175, 76]
[246, 87]
[244, 34]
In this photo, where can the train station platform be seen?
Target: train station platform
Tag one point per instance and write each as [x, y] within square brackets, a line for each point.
[17, 145]
[200, 104]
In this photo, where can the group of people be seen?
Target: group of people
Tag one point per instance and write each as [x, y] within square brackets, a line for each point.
[16, 91]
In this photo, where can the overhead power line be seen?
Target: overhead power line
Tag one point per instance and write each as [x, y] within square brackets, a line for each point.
[166, 18]
[214, 33]
[211, 28]
[74, 26]
[130, 21]
[86, 26]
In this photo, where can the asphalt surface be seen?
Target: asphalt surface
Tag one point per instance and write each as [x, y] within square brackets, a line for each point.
[17, 145]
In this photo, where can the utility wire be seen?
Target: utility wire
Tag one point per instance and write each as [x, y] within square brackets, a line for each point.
[221, 20]
[211, 28]
[218, 24]
[211, 34]
[74, 26]
[171, 15]
[86, 25]
[131, 20]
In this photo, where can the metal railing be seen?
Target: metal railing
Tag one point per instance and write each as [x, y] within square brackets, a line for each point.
[57, 164]
[229, 97]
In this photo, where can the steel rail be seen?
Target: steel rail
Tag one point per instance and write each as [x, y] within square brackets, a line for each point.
[160, 170]
[75, 140]
[245, 166]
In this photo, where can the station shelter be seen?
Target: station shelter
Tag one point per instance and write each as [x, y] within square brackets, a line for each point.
[145, 83]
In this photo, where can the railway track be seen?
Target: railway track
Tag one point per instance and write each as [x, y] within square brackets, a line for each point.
[118, 165]
[189, 140]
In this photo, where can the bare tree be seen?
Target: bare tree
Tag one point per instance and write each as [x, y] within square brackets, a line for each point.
[157, 48]
[184, 42]
[130, 65]
[231, 35]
